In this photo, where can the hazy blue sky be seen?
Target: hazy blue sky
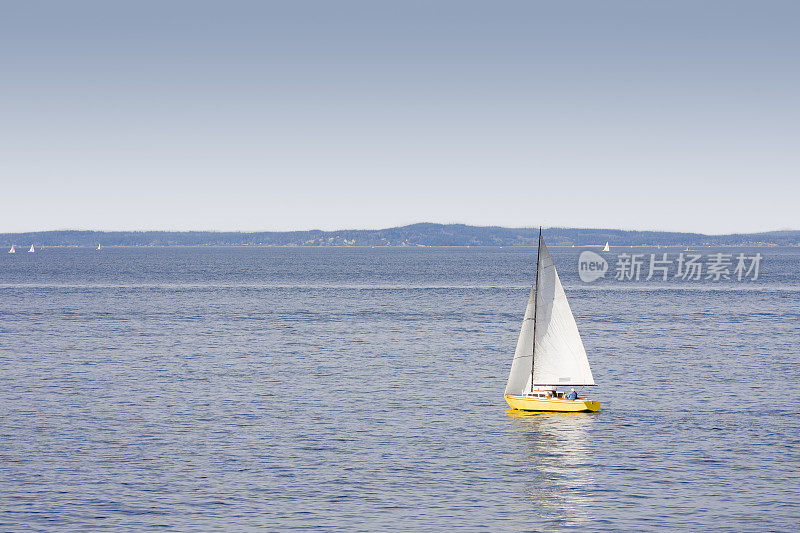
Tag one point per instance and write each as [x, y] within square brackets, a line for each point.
[321, 114]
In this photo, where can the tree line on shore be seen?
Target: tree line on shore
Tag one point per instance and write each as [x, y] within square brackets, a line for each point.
[423, 234]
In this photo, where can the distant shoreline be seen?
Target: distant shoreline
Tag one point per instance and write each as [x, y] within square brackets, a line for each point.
[393, 247]
[415, 235]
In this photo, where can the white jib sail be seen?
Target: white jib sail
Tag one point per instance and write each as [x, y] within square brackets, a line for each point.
[519, 380]
[560, 356]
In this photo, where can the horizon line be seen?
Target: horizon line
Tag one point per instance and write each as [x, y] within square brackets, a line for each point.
[532, 228]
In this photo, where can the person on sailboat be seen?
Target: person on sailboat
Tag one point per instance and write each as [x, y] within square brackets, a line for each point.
[572, 395]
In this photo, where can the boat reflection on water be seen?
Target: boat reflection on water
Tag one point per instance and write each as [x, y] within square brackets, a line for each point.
[555, 450]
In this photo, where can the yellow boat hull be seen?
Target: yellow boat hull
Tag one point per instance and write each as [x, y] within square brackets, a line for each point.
[563, 405]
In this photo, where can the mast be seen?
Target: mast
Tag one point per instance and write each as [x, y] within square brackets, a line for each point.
[535, 302]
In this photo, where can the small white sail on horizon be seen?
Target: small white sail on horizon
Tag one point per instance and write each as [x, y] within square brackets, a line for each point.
[549, 351]
[31, 250]
[12, 250]
[98, 246]
[606, 248]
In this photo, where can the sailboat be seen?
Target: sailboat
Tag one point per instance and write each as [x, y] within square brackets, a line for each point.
[12, 250]
[549, 352]
[31, 250]
[605, 248]
[98, 246]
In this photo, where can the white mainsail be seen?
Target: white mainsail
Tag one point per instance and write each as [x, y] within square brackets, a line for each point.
[12, 250]
[559, 357]
[605, 248]
[98, 246]
[31, 250]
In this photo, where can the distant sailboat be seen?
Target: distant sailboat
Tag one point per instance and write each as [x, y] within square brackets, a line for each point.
[31, 250]
[12, 250]
[550, 351]
[606, 248]
[687, 249]
[98, 246]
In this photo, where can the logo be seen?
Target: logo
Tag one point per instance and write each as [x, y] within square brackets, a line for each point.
[687, 266]
[591, 266]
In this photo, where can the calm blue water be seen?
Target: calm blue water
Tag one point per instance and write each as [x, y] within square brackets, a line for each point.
[362, 389]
